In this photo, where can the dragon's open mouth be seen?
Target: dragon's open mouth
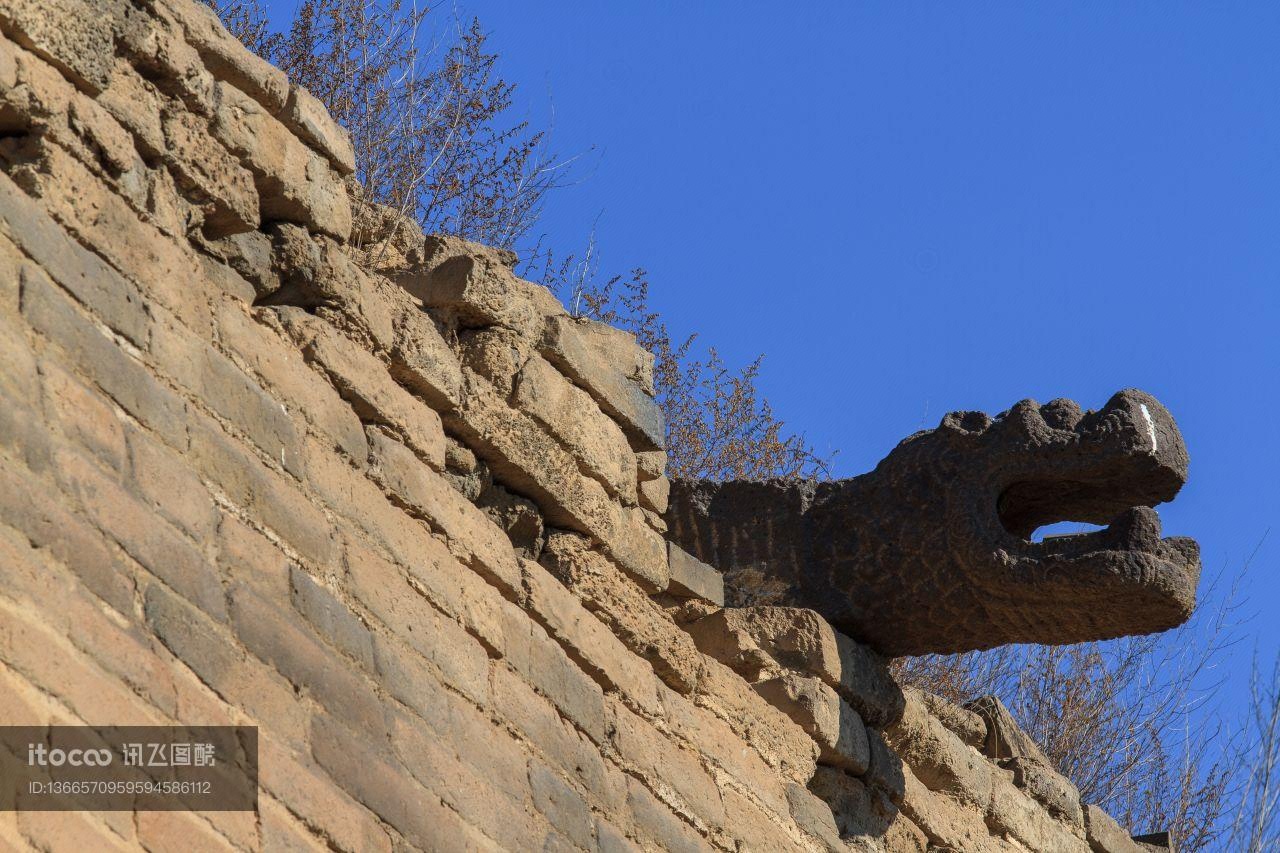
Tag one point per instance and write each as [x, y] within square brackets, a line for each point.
[1108, 468]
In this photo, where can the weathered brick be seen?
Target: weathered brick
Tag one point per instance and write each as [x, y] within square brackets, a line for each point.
[658, 825]
[76, 36]
[84, 275]
[476, 796]
[474, 288]
[422, 362]
[85, 416]
[226, 57]
[135, 103]
[164, 479]
[247, 557]
[31, 506]
[655, 494]
[937, 757]
[280, 366]
[819, 710]
[525, 458]
[469, 530]
[692, 578]
[617, 372]
[318, 800]
[389, 791]
[125, 380]
[268, 496]
[662, 766]
[365, 383]
[564, 807]
[281, 831]
[332, 618]
[588, 642]
[209, 177]
[165, 270]
[1104, 834]
[557, 740]
[643, 626]
[307, 117]
[217, 383]
[302, 659]
[596, 442]
[155, 545]
[294, 183]
[165, 831]
[50, 662]
[68, 831]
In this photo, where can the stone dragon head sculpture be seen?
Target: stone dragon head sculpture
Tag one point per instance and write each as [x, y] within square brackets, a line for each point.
[932, 551]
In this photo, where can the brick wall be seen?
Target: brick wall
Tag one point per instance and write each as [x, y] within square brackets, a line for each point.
[409, 523]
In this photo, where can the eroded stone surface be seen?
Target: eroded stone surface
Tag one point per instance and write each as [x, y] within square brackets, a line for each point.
[930, 552]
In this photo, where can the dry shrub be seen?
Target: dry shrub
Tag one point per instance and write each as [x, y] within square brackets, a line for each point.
[425, 107]
[718, 425]
[1126, 720]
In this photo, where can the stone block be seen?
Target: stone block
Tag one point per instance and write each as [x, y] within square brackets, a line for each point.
[307, 117]
[422, 362]
[209, 177]
[654, 494]
[161, 477]
[76, 36]
[1055, 792]
[965, 724]
[1104, 834]
[114, 299]
[1004, 738]
[587, 640]
[939, 759]
[225, 56]
[1016, 815]
[658, 826]
[569, 414]
[470, 533]
[563, 807]
[692, 578]
[611, 366]
[828, 719]
[474, 289]
[364, 382]
[294, 183]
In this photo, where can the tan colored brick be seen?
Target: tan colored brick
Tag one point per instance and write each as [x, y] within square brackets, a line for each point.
[30, 505]
[68, 831]
[155, 545]
[587, 641]
[174, 832]
[85, 416]
[282, 369]
[524, 457]
[306, 662]
[482, 800]
[217, 383]
[294, 183]
[390, 792]
[307, 117]
[135, 103]
[281, 831]
[210, 652]
[655, 494]
[657, 825]
[226, 57]
[331, 617]
[556, 739]
[165, 271]
[422, 362]
[73, 35]
[939, 759]
[570, 415]
[632, 616]
[269, 497]
[618, 373]
[648, 755]
[164, 479]
[470, 532]
[365, 383]
[247, 557]
[52, 664]
[828, 719]
[318, 800]
[96, 356]
[84, 275]
[209, 177]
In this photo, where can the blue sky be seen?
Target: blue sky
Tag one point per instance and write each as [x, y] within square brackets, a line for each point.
[915, 208]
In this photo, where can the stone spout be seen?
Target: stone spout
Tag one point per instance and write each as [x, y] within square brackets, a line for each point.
[932, 551]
